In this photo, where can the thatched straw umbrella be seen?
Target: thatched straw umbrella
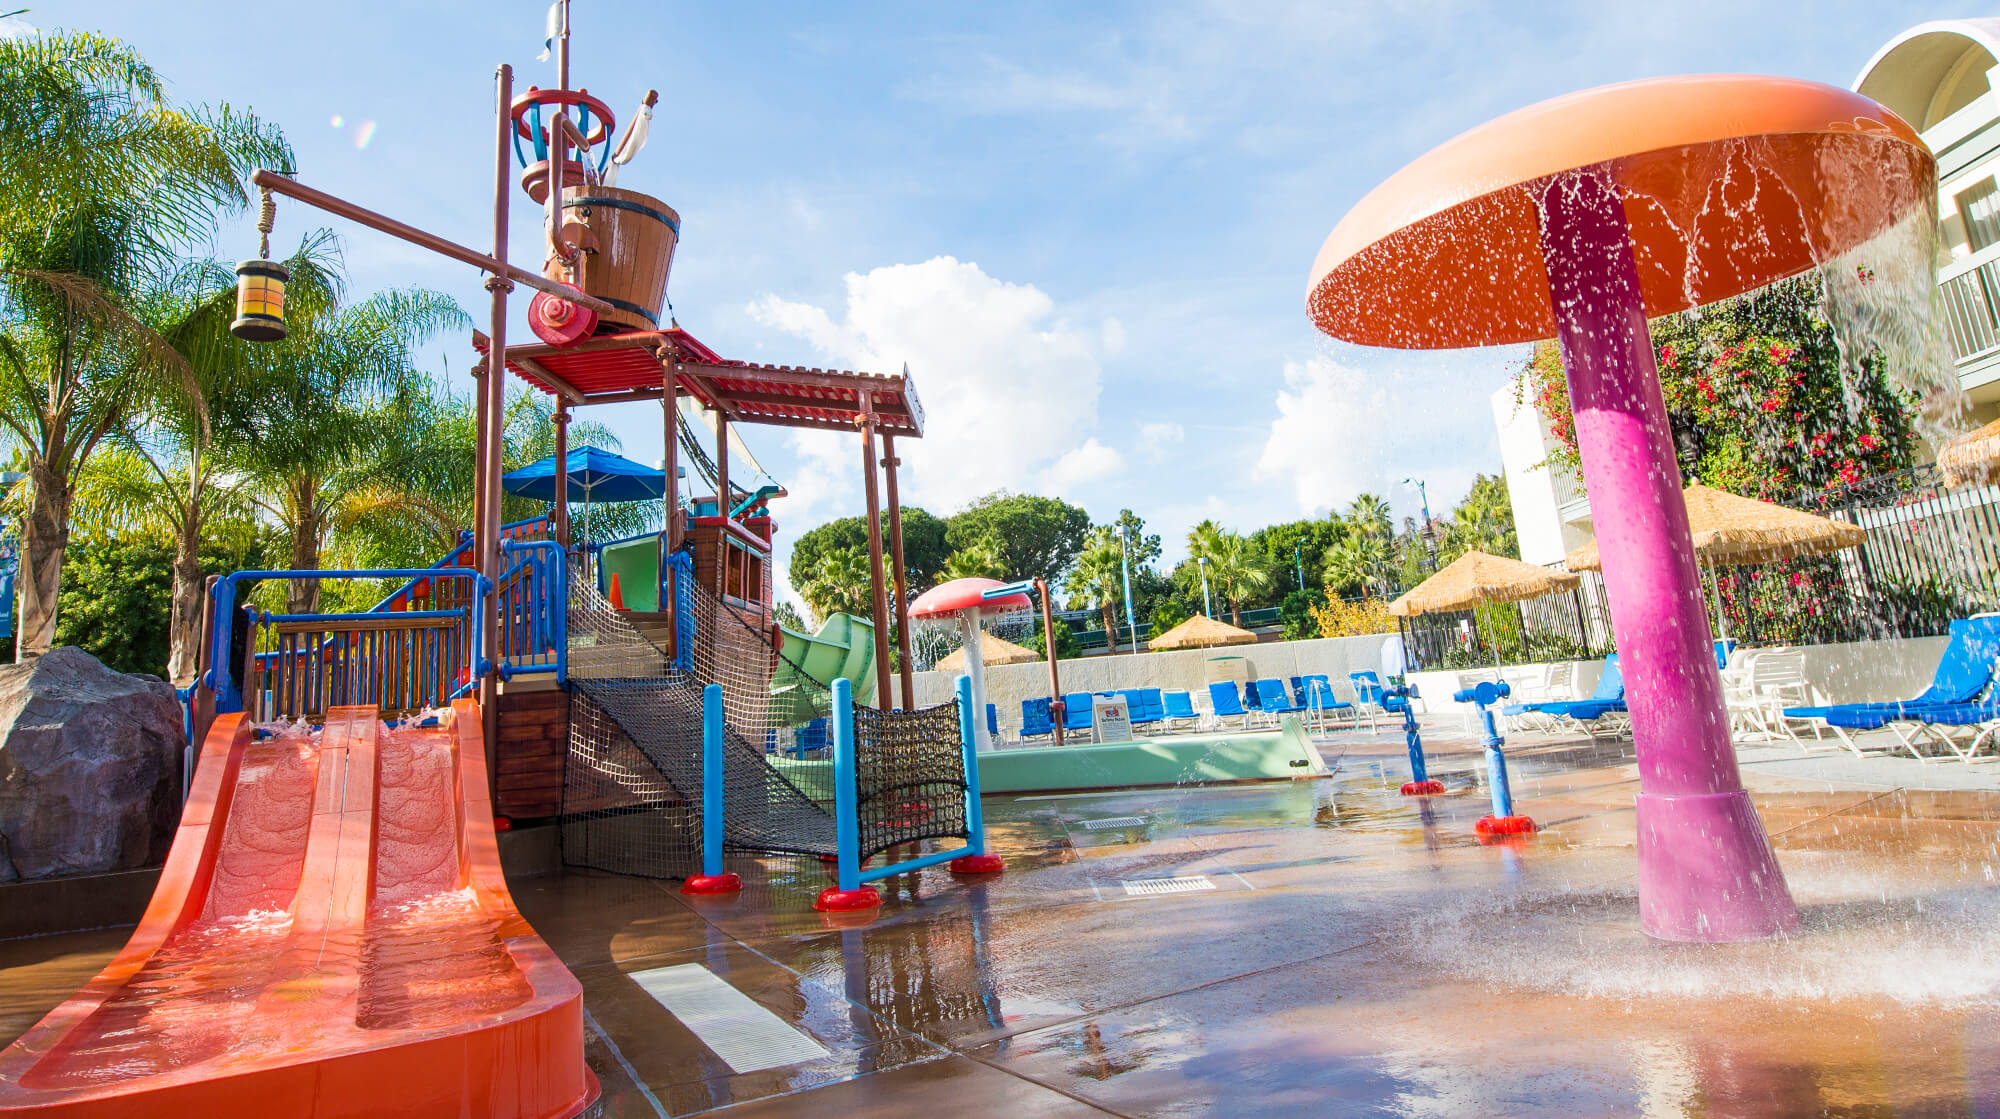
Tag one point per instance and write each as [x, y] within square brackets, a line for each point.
[1478, 579]
[1731, 530]
[1973, 457]
[1199, 632]
[992, 650]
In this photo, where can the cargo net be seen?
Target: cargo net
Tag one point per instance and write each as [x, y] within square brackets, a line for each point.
[632, 783]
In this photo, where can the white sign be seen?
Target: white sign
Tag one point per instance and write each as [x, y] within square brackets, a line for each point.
[1110, 719]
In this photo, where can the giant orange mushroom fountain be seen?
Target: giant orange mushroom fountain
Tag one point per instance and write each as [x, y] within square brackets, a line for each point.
[1579, 218]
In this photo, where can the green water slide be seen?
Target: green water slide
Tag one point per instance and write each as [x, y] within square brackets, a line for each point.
[843, 649]
[637, 565]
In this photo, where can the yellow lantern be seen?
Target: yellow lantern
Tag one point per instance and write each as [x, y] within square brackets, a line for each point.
[260, 301]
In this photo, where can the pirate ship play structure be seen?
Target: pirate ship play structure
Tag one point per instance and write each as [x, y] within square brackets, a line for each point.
[352, 767]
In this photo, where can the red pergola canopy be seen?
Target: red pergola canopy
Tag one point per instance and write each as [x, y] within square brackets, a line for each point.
[627, 367]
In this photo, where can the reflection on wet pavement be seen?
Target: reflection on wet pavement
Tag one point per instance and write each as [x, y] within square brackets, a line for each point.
[1359, 953]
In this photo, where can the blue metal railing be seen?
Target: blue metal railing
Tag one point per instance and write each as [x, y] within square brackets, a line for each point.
[534, 610]
[228, 693]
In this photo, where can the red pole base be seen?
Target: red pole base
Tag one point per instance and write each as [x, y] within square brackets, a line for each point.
[724, 883]
[1503, 825]
[977, 864]
[833, 899]
[1423, 788]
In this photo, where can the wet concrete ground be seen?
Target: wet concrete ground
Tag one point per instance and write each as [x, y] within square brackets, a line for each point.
[1352, 952]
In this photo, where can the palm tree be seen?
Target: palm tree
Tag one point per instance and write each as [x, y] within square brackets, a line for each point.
[1237, 572]
[977, 560]
[337, 399]
[1355, 560]
[840, 583]
[101, 182]
[163, 469]
[1098, 576]
[1369, 515]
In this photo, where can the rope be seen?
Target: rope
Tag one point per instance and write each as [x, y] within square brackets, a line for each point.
[267, 216]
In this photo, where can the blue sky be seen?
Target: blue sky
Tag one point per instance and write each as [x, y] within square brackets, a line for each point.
[1085, 228]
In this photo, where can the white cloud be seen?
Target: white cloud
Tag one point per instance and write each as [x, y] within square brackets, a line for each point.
[1344, 429]
[1159, 440]
[1009, 385]
[1091, 462]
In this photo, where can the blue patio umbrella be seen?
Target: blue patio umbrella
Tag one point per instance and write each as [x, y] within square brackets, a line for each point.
[598, 474]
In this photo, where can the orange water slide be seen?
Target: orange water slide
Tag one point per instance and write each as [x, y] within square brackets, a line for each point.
[331, 937]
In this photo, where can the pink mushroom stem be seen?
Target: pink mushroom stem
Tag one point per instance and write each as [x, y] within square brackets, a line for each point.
[1706, 869]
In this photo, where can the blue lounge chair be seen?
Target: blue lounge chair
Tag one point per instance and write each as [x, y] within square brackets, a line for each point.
[1035, 721]
[1321, 702]
[1603, 712]
[1976, 722]
[1076, 711]
[993, 721]
[1964, 672]
[1144, 706]
[1369, 697]
[1227, 704]
[1273, 701]
[1179, 708]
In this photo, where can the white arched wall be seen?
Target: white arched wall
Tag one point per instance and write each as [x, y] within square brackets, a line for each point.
[1943, 77]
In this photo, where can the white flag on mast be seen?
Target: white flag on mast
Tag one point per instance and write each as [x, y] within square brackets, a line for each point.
[553, 29]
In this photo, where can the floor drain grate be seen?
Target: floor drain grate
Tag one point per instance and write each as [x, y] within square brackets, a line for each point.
[1115, 822]
[745, 1035]
[1150, 887]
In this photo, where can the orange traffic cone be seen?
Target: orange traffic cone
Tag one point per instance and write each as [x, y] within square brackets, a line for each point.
[617, 599]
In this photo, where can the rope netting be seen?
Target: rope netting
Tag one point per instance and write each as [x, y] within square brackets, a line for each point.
[632, 784]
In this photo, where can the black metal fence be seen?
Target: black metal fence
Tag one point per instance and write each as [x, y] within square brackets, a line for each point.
[1568, 626]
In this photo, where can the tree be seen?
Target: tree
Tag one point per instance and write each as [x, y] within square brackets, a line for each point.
[924, 547]
[1098, 578]
[163, 470]
[1356, 562]
[1483, 521]
[1039, 537]
[978, 560]
[1298, 546]
[787, 615]
[101, 182]
[1236, 572]
[840, 584]
[339, 396]
[1368, 515]
[116, 594]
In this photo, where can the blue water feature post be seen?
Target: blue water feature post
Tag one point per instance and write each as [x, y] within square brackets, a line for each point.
[974, 859]
[1397, 698]
[847, 892]
[1504, 821]
[712, 879]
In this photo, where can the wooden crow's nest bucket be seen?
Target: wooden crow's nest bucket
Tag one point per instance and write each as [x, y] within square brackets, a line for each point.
[625, 243]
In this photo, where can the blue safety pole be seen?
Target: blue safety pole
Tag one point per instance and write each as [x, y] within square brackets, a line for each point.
[975, 824]
[1496, 765]
[848, 892]
[846, 828]
[1503, 821]
[1420, 783]
[711, 780]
